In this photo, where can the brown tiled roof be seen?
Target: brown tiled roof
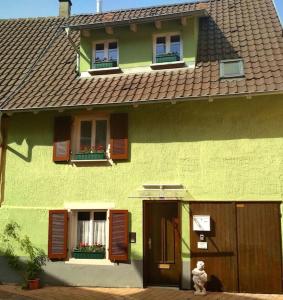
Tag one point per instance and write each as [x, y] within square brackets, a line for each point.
[249, 29]
[140, 13]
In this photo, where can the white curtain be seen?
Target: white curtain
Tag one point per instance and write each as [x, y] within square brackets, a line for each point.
[83, 232]
[99, 232]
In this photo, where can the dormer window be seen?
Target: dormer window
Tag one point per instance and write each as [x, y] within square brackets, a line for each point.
[167, 48]
[105, 55]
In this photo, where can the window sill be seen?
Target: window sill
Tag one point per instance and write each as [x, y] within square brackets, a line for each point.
[97, 262]
[113, 70]
[168, 65]
[79, 161]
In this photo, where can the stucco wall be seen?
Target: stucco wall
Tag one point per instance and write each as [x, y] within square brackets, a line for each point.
[225, 150]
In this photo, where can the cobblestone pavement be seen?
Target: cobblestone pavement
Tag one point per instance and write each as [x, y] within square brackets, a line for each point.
[77, 293]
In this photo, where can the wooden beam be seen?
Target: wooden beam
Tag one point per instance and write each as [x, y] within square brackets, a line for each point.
[134, 27]
[184, 21]
[109, 30]
[86, 33]
[158, 24]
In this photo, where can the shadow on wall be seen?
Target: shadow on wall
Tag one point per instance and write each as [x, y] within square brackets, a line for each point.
[26, 157]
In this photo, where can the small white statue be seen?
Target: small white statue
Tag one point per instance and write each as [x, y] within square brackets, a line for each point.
[199, 279]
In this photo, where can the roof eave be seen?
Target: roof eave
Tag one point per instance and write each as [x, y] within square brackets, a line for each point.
[167, 17]
[209, 98]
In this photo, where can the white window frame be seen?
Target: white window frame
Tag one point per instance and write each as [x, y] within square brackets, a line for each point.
[106, 50]
[77, 131]
[73, 232]
[167, 36]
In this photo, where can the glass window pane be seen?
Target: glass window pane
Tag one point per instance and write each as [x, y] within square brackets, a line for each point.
[101, 135]
[160, 45]
[113, 51]
[83, 216]
[99, 52]
[232, 68]
[85, 138]
[83, 229]
[99, 215]
[99, 232]
[175, 44]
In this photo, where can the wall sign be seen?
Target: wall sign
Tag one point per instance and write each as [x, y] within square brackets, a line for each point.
[202, 245]
[201, 223]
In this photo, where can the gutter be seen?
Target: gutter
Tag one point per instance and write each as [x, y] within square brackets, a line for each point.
[67, 30]
[3, 136]
[141, 102]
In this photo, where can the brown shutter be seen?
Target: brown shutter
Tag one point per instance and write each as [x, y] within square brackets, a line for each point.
[62, 139]
[58, 234]
[118, 235]
[119, 136]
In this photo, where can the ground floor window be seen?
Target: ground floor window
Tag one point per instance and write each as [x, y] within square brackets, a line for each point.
[91, 234]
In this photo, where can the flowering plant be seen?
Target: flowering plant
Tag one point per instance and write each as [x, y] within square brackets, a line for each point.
[91, 149]
[85, 247]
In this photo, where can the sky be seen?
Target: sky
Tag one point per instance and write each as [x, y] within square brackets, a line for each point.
[40, 8]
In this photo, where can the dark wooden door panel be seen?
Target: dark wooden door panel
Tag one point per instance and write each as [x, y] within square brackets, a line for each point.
[162, 243]
[221, 257]
[259, 247]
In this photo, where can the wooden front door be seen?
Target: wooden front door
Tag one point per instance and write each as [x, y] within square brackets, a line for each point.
[244, 246]
[162, 255]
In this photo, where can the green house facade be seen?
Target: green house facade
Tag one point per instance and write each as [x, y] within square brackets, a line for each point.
[137, 142]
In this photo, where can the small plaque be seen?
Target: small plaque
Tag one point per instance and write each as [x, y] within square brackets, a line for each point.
[201, 223]
[164, 266]
[202, 245]
[240, 205]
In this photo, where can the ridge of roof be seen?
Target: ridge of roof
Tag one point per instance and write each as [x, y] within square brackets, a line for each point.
[33, 18]
[186, 2]
[141, 8]
[277, 12]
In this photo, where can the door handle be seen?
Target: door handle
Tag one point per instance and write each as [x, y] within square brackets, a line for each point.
[149, 243]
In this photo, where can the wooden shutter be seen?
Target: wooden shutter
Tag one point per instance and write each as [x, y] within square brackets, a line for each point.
[118, 235]
[58, 234]
[62, 139]
[119, 136]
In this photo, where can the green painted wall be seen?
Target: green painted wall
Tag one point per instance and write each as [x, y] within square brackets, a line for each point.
[225, 150]
[136, 48]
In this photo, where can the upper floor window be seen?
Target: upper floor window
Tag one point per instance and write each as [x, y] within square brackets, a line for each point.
[105, 55]
[92, 138]
[167, 48]
[231, 68]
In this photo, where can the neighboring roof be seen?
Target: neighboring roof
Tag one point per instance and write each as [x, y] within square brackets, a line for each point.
[249, 29]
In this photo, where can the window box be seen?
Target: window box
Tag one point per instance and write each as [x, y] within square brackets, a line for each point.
[105, 64]
[88, 255]
[169, 57]
[90, 156]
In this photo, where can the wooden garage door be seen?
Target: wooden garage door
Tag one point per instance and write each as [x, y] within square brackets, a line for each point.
[259, 247]
[220, 258]
[244, 246]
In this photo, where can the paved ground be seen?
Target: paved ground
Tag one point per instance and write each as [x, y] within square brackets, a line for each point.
[62, 293]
